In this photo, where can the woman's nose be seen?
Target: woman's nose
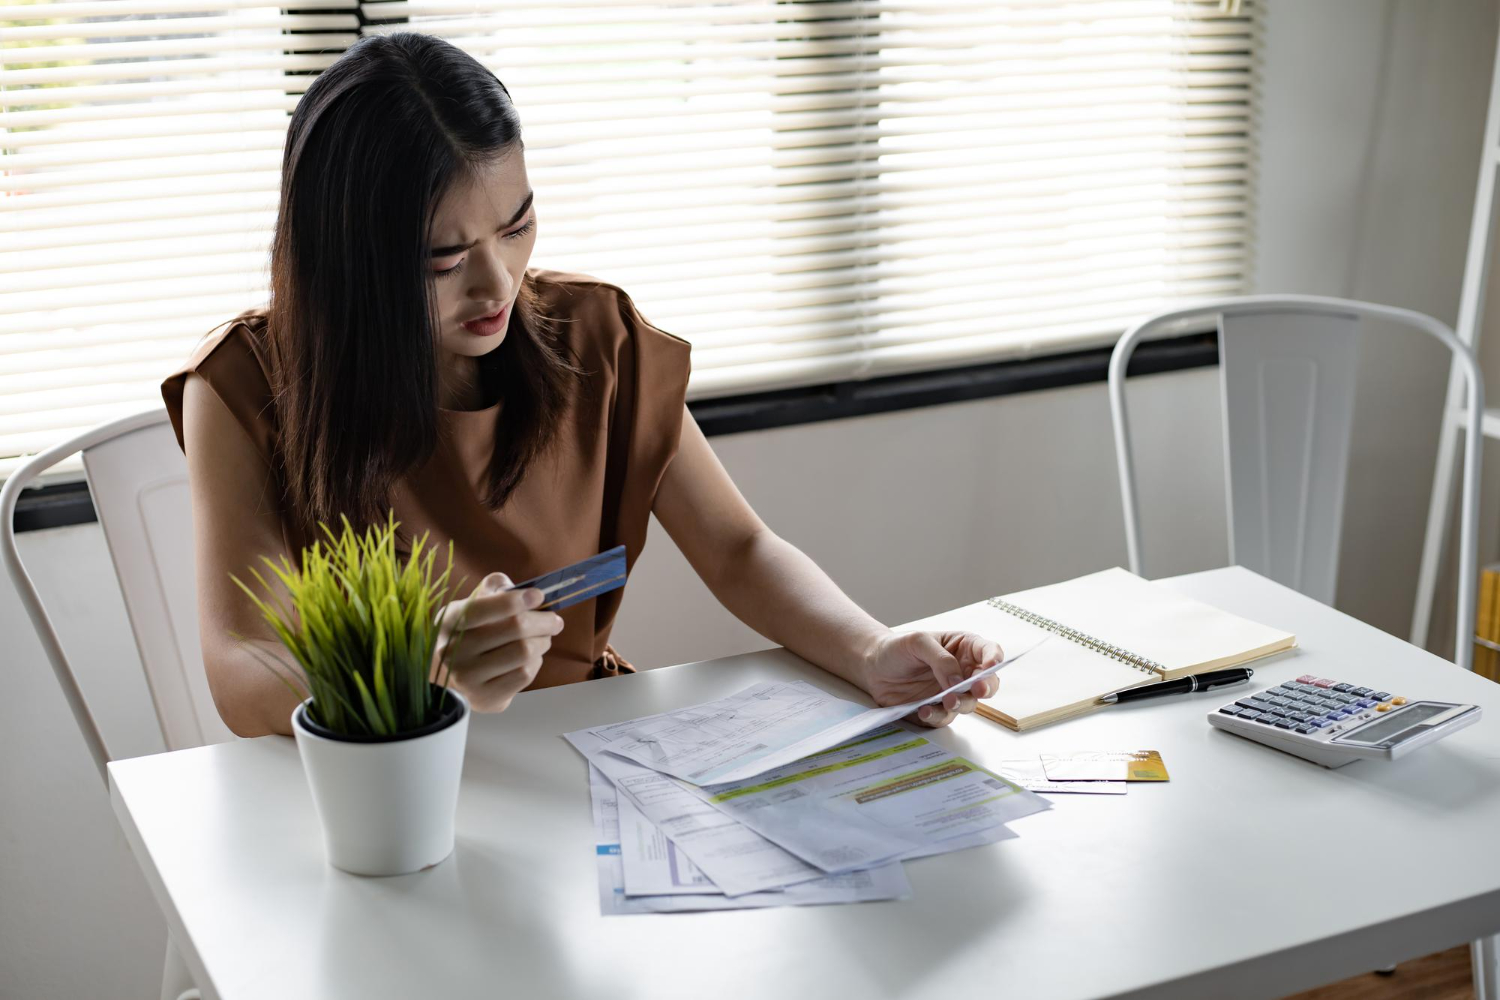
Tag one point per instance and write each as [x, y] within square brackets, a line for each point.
[491, 278]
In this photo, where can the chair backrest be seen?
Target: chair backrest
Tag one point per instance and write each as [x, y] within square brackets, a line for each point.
[1287, 383]
[1287, 371]
[138, 479]
[140, 488]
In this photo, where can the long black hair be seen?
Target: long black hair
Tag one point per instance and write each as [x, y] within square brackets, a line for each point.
[377, 140]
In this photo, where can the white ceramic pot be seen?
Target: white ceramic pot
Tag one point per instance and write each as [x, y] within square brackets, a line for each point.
[387, 807]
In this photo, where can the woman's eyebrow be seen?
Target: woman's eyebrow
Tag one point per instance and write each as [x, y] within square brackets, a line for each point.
[520, 214]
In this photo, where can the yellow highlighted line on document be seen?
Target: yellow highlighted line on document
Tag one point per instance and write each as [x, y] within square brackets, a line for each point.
[814, 772]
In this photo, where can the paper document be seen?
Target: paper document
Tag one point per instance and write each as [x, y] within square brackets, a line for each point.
[731, 855]
[765, 726]
[888, 795]
[885, 882]
[651, 864]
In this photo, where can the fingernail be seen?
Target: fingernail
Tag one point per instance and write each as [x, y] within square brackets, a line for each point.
[557, 624]
[924, 713]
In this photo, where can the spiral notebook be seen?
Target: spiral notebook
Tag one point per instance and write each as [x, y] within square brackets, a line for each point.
[1108, 631]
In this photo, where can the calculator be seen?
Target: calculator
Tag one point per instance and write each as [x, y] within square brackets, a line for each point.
[1332, 723]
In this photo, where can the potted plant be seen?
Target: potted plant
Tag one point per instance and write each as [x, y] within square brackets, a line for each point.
[380, 733]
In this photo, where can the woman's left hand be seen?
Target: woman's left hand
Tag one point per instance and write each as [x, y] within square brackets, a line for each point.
[910, 666]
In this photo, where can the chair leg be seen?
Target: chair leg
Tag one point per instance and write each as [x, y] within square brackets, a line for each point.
[1485, 956]
[176, 982]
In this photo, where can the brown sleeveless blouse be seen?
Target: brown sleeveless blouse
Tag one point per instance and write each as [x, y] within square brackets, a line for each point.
[590, 490]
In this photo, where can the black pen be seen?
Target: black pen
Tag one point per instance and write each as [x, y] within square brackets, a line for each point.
[1183, 685]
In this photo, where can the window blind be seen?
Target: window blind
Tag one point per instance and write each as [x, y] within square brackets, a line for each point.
[817, 190]
[141, 157]
[808, 190]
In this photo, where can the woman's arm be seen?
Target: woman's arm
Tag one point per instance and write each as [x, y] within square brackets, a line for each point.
[770, 585]
[234, 524]
[765, 581]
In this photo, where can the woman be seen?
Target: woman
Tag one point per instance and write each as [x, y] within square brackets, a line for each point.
[410, 360]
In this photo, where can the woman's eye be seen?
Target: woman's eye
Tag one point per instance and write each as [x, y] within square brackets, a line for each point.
[530, 225]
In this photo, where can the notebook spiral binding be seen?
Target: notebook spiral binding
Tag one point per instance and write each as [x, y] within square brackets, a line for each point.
[1141, 663]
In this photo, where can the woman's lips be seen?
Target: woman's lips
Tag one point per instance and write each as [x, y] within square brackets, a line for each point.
[490, 325]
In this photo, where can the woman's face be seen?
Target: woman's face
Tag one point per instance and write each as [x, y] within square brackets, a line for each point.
[482, 235]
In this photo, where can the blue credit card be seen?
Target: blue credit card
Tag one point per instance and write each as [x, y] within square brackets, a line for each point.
[566, 587]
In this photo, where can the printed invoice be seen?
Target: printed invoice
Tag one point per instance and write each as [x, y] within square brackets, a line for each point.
[884, 882]
[734, 857]
[765, 726]
[892, 794]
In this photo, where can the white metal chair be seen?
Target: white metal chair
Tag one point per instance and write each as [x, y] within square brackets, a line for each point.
[1287, 369]
[138, 478]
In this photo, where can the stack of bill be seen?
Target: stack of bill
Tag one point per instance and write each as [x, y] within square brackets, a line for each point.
[781, 795]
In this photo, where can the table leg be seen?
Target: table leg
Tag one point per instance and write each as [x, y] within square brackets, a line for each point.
[1485, 955]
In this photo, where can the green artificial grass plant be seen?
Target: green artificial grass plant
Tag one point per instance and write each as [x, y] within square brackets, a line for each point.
[363, 625]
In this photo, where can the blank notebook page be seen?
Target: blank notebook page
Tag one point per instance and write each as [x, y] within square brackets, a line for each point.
[1183, 635]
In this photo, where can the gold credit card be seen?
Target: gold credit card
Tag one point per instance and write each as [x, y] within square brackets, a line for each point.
[1105, 765]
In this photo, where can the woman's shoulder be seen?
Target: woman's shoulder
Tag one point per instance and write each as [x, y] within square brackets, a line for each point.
[232, 359]
[627, 358]
[590, 313]
[235, 348]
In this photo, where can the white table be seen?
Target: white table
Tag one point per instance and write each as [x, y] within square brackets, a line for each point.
[1250, 874]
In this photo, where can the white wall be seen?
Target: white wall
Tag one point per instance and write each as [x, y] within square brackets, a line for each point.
[1365, 183]
[917, 511]
[1372, 113]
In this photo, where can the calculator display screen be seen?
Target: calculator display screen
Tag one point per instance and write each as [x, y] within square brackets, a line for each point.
[1379, 732]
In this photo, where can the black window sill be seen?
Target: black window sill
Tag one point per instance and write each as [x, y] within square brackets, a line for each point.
[764, 410]
[62, 504]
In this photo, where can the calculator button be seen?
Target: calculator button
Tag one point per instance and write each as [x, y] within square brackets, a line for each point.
[1381, 696]
[1362, 692]
[1398, 700]
[1321, 723]
[1382, 708]
[1230, 710]
[1343, 688]
[1285, 724]
[1250, 715]
[1323, 682]
[1304, 729]
[1367, 703]
[1306, 679]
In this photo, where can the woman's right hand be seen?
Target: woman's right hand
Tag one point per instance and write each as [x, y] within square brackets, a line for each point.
[500, 648]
